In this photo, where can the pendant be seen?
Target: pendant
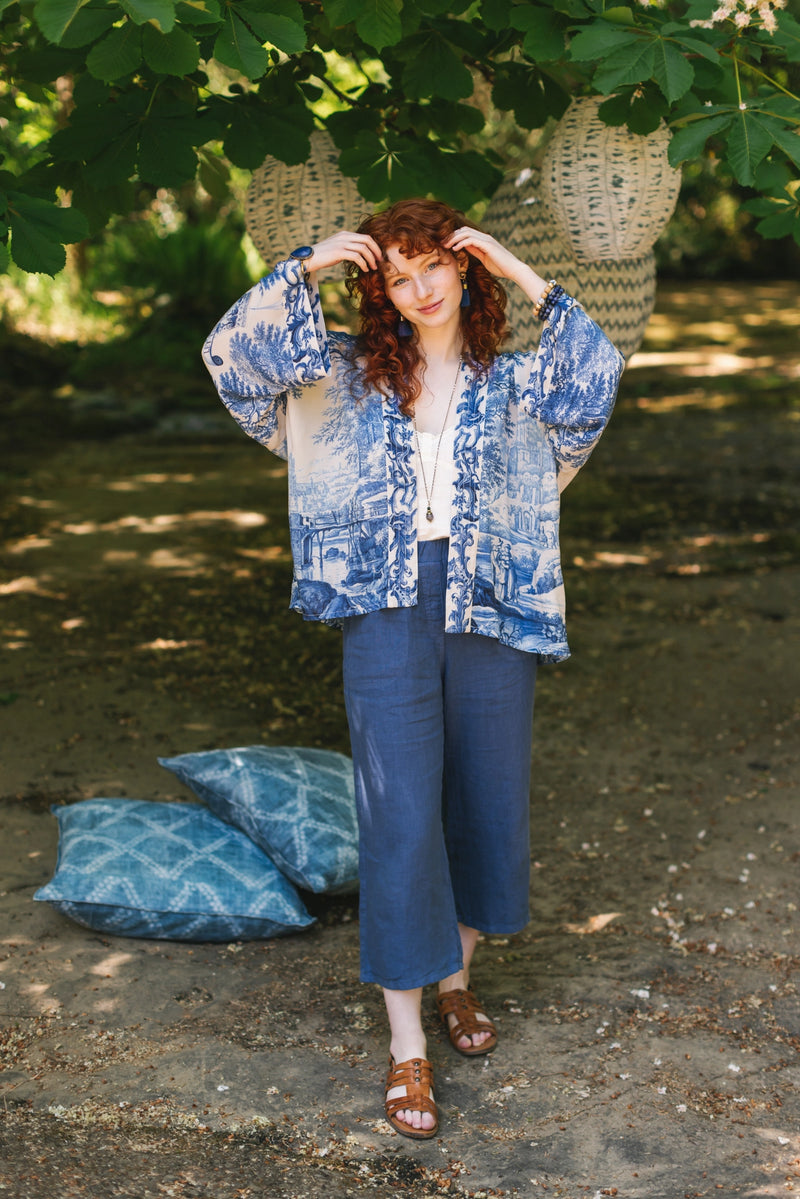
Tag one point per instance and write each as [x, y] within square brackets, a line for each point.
[429, 514]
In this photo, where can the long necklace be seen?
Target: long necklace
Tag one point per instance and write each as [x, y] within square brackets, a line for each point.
[429, 490]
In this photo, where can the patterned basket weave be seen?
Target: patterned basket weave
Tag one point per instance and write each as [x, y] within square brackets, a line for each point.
[618, 295]
[289, 206]
[610, 191]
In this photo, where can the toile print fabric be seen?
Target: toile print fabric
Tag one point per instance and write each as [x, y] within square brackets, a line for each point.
[523, 430]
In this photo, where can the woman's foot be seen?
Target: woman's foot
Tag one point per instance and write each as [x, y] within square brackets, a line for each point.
[462, 1016]
[408, 1045]
[410, 1078]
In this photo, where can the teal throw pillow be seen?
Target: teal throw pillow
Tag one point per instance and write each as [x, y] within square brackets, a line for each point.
[296, 803]
[167, 870]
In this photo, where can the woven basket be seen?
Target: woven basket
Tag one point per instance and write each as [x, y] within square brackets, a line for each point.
[618, 295]
[289, 206]
[610, 191]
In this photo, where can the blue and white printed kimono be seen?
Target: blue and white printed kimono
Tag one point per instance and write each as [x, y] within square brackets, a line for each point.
[523, 431]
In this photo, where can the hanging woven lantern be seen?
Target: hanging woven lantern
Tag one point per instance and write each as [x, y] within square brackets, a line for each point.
[289, 206]
[610, 191]
[619, 295]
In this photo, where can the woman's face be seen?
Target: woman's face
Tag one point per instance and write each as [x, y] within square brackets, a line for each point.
[425, 289]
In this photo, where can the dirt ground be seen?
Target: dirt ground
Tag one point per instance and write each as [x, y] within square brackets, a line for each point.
[649, 1016]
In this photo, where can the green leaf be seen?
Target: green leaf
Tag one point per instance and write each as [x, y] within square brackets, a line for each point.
[5, 258]
[695, 46]
[434, 69]
[641, 109]
[772, 175]
[104, 137]
[160, 12]
[496, 14]
[261, 127]
[198, 12]
[451, 119]
[544, 33]
[166, 147]
[599, 40]
[464, 178]
[780, 223]
[46, 64]
[98, 204]
[342, 12]
[787, 36]
[237, 47]
[39, 230]
[214, 175]
[379, 23]
[279, 22]
[174, 53]
[89, 24]
[117, 55]
[54, 17]
[788, 141]
[748, 143]
[627, 64]
[532, 96]
[674, 74]
[689, 142]
[619, 15]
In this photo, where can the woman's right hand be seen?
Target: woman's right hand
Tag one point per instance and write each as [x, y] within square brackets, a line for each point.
[344, 246]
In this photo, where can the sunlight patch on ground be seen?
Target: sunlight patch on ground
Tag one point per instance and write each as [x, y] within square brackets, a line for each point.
[28, 543]
[706, 361]
[671, 559]
[269, 553]
[140, 481]
[166, 522]
[162, 643]
[28, 585]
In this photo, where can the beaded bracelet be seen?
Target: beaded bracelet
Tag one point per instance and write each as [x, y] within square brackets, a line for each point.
[554, 295]
[537, 308]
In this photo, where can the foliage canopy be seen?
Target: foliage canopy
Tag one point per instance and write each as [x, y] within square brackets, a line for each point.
[157, 87]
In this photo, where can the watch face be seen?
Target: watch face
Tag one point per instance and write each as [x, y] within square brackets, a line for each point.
[302, 252]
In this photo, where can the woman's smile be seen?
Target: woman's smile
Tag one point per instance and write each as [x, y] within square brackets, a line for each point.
[428, 309]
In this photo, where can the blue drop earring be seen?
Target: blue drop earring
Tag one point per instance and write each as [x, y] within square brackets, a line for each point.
[465, 300]
[404, 328]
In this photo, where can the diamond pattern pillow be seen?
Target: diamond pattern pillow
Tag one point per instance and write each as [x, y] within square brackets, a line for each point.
[297, 804]
[166, 870]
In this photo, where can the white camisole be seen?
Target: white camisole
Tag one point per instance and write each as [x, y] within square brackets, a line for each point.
[441, 494]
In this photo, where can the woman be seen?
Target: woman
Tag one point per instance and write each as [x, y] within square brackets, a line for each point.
[424, 477]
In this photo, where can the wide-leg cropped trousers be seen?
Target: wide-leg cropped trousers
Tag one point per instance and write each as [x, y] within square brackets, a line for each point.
[440, 728]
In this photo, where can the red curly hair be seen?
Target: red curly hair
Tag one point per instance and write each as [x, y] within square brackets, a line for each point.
[388, 362]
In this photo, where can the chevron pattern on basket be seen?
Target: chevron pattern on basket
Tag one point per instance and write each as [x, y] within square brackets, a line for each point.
[618, 295]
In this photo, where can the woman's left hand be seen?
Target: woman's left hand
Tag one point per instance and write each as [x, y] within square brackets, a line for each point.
[496, 259]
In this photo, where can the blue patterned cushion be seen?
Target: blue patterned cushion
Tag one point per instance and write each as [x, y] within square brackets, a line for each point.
[297, 804]
[166, 870]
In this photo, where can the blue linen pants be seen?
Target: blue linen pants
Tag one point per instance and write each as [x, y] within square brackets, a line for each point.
[440, 729]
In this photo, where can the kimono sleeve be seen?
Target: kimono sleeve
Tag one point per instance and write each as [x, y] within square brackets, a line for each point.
[271, 342]
[571, 385]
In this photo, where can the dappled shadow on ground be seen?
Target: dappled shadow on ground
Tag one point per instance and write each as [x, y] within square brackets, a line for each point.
[651, 1003]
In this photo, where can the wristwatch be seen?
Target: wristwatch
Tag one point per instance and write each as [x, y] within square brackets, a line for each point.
[302, 254]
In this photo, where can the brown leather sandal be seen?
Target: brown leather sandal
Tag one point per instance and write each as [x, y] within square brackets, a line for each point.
[465, 1007]
[416, 1075]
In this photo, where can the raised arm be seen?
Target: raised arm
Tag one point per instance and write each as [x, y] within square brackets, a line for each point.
[273, 339]
[498, 260]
